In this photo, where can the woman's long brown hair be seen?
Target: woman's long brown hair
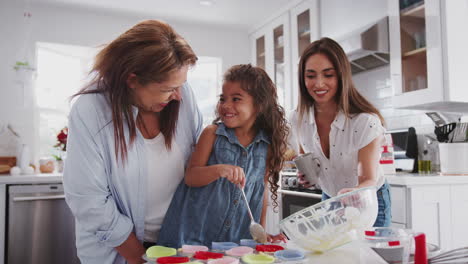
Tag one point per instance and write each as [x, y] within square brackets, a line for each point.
[151, 50]
[349, 100]
[270, 116]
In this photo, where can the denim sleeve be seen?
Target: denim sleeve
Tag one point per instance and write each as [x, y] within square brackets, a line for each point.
[85, 181]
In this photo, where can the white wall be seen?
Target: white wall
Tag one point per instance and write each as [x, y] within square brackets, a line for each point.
[339, 17]
[85, 28]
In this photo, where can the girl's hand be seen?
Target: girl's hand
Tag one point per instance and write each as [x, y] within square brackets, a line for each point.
[233, 174]
[276, 238]
[302, 181]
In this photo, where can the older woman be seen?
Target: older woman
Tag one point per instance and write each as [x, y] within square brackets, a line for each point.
[131, 131]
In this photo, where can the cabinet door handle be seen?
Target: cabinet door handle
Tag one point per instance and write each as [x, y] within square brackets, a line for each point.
[38, 198]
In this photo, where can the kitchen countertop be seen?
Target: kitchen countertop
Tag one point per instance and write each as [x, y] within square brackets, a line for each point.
[351, 253]
[414, 179]
[31, 179]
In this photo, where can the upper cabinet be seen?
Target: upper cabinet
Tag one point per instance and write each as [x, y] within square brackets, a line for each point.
[427, 54]
[271, 51]
[304, 29]
[276, 47]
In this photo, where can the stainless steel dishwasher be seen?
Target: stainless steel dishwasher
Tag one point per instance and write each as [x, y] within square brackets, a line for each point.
[40, 226]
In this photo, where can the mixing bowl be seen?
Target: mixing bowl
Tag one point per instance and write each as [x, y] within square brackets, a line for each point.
[333, 222]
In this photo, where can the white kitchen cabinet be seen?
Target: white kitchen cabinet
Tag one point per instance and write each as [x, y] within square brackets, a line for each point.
[428, 55]
[436, 210]
[304, 29]
[2, 221]
[276, 47]
[271, 51]
[459, 214]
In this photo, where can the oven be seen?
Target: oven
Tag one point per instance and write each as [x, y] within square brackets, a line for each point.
[293, 196]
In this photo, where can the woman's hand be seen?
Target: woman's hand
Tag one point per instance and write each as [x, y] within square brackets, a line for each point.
[233, 174]
[346, 190]
[276, 238]
[302, 181]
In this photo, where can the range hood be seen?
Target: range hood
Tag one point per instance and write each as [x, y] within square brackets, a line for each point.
[368, 48]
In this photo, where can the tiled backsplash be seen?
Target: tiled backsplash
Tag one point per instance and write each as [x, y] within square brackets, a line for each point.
[376, 86]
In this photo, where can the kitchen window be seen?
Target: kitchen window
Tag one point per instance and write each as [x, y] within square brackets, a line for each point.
[62, 70]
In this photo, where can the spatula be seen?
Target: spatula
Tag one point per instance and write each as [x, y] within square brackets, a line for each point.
[256, 230]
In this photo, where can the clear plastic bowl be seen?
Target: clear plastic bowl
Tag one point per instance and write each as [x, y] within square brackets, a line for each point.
[333, 222]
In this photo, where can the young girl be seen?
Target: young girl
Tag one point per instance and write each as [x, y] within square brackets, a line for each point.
[243, 148]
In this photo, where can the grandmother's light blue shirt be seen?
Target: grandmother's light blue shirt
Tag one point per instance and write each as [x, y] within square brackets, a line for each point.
[107, 198]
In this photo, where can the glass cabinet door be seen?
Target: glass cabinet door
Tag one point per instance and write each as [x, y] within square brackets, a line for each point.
[279, 78]
[260, 51]
[413, 45]
[304, 29]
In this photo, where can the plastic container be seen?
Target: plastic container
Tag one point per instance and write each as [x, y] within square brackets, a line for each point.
[222, 246]
[154, 252]
[239, 251]
[333, 222]
[268, 248]
[453, 157]
[258, 259]
[189, 250]
[205, 255]
[249, 243]
[224, 260]
[172, 260]
[394, 244]
[289, 255]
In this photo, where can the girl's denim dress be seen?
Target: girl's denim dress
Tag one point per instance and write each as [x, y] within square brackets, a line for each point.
[216, 212]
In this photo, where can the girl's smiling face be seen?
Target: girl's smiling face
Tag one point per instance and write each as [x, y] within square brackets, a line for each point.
[321, 78]
[236, 107]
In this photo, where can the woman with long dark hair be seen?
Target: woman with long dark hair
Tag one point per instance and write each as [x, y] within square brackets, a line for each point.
[131, 132]
[342, 130]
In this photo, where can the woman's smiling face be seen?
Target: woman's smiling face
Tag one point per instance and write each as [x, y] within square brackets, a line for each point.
[154, 96]
[320, 78]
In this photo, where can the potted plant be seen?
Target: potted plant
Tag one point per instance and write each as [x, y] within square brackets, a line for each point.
[61, 145]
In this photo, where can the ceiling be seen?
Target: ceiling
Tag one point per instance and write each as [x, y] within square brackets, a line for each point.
[236, 13]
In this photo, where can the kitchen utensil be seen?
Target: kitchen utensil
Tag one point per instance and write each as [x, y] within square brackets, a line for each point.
[333, 222]
[256, 230]
[308, 165]
[442, 132]
[6, 163]
[459, 255]
[460, 133]
[394, 244]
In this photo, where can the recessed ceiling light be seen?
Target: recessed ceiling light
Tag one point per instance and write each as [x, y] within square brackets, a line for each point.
[206, 2]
